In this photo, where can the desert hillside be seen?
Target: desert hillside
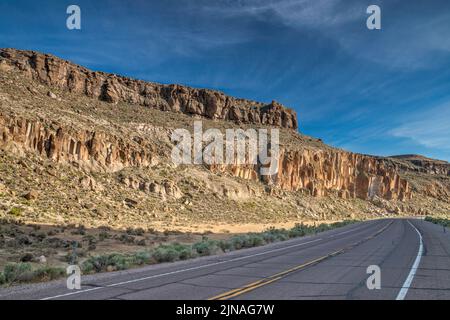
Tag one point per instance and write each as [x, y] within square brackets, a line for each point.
[85, 147]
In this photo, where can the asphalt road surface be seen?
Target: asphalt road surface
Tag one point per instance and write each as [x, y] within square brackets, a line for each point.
[413, 257]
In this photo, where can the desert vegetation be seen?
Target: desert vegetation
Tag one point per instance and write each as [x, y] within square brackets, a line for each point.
[442, 221]
[173, 246]
[206, 247]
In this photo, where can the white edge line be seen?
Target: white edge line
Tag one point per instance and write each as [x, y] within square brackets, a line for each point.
[402, 294]
[178, 271]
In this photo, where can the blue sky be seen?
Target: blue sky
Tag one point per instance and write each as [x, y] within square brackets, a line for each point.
[379, 92]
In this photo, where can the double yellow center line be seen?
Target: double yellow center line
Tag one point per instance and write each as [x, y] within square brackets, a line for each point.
[254, 285]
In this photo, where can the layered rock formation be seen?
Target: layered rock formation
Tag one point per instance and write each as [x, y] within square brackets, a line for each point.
[176, 98]
[322, 171]
[90, 149]
[317, 171]
[417, 163]
[352, 175]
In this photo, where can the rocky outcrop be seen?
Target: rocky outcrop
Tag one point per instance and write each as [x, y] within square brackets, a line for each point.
[316, 171]
[418, 163]
[308, 169]
[176, 98]
[351, 175]
[162, 189]
[319, 172]
[90, 149]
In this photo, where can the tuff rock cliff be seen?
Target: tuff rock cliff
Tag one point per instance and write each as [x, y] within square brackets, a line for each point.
[352, 175]
[317, 171]
[90, 149]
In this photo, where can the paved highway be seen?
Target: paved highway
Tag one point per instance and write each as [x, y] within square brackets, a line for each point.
[413, 257]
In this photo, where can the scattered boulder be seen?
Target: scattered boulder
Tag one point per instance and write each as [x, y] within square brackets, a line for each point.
[111, 268]
[130, 203]
[172, 190]
[51, 95]
[31, 195]
[163, 189]
[88, 182]
[32, 90]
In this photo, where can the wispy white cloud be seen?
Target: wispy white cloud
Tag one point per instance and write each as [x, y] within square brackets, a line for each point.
[408, 40]
[430, 129]
[294, 13]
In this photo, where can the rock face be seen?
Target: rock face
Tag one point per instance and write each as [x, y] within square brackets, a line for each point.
[176, 98]
[162, 189]
[314, 170]
[418, 163]
[93, 150]
[322, 171]
[318, 171]
[352, 175]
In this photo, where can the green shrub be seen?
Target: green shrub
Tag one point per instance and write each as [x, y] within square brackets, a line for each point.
[184, 251]
[88, 266]
[142, 257]
[135, 232]
[16, 271]
[165, 254]
[40, 236]
[16, 211]
[269, 237]
[237, 242]
[80, 230]
[102, 262]
[96, 264]
[48, 273]
[103, 235]
[23, 240]
[441, 221]
[278, 234]
[141, 242]
[253, 240]
[22, 272]
[90, 239]
[125, 238]
[120, 262]
[206, 247]
[187, 253]
[225, 245]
